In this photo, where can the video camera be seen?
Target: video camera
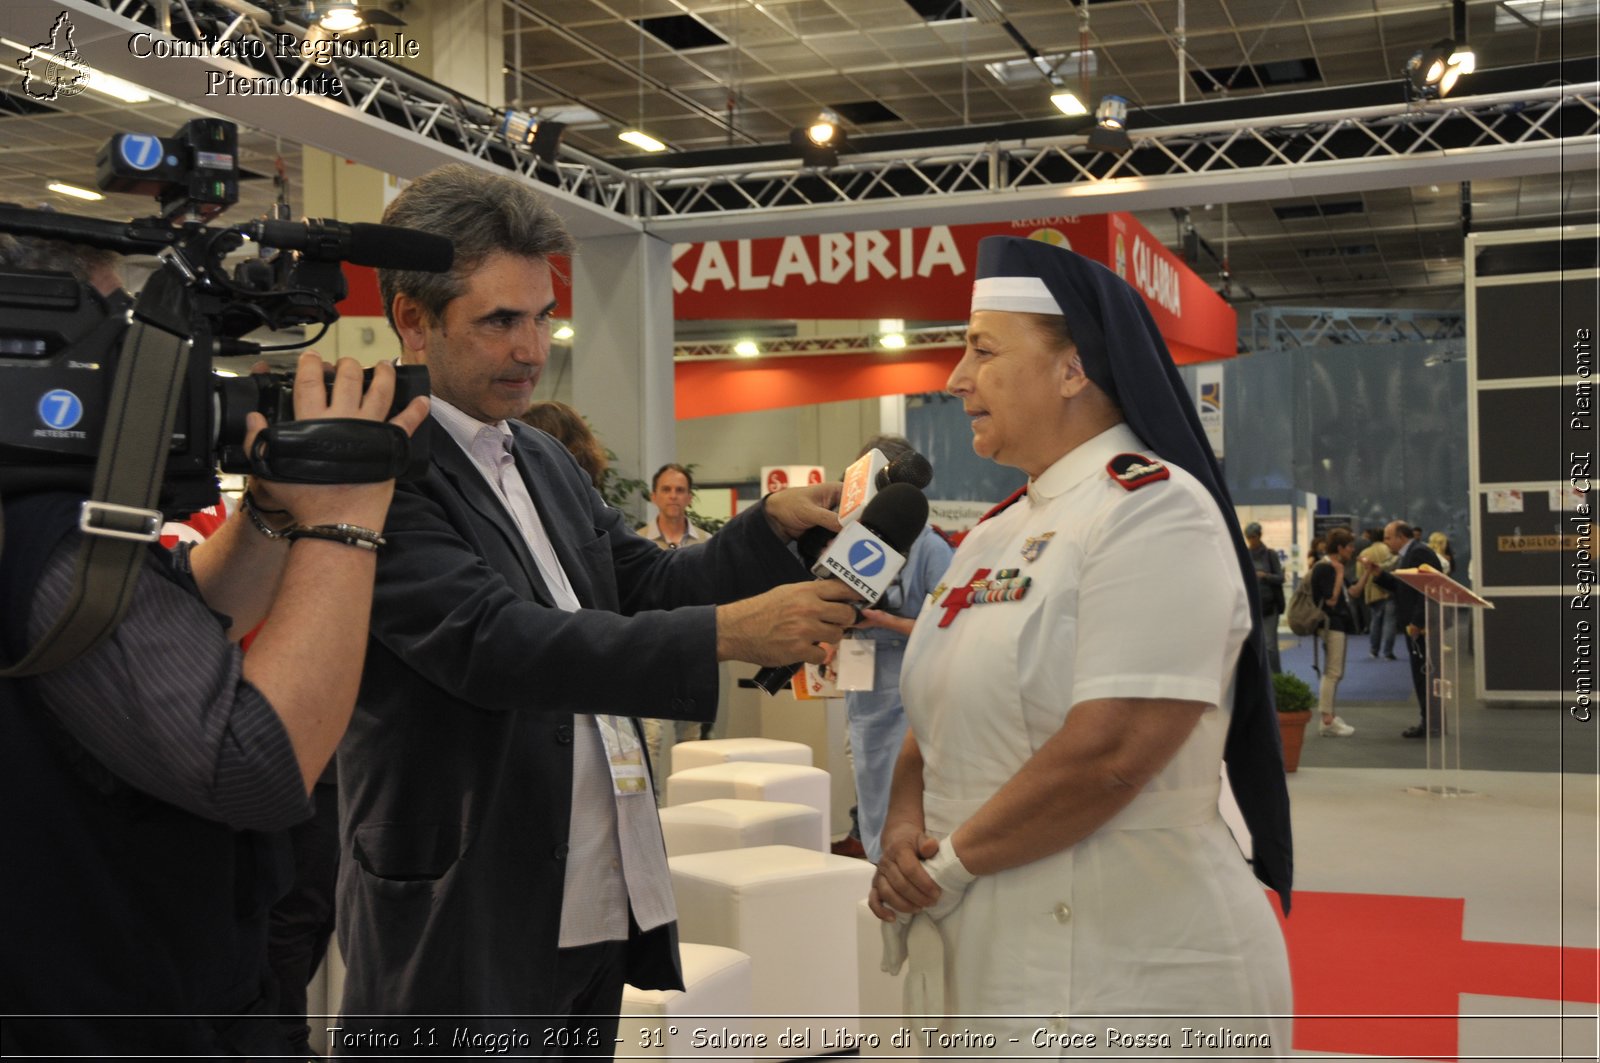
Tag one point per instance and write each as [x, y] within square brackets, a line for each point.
[62, 342]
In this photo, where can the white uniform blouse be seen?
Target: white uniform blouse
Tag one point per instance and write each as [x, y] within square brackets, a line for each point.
[1129, 594]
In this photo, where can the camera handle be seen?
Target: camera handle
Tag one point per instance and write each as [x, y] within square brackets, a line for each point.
[333, 450]
[120, 519]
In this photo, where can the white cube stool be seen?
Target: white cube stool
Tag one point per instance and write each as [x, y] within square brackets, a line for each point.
[793, 912]
[722, 750]
[704, 1020]
[731, 823]
[755, 781]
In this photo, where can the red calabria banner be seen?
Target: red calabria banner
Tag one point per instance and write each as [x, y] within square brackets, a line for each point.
[926, 274]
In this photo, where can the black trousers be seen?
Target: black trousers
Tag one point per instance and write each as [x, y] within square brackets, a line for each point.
[302, 921]
[1421, 649]
[591, 977]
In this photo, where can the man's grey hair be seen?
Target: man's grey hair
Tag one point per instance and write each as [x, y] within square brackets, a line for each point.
[481, 213]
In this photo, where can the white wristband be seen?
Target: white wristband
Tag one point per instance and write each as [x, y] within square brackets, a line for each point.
[951, 876]
[945, 867]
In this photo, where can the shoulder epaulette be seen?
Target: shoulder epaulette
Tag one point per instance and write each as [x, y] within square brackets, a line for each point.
[1003, 506]
[1133, 471]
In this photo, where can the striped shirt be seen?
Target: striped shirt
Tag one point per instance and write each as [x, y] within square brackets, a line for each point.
[163, 704]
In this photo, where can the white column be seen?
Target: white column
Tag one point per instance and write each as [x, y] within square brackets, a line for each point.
[622, 348]
[892, 414]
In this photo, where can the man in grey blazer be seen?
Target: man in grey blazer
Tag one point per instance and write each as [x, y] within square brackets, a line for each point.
[504, 872]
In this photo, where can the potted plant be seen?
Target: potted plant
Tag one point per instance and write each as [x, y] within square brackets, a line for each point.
[1295, 700]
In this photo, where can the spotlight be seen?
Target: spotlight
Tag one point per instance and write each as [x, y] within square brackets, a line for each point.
[563, 333]
[1432, 72]
[1112, 112]
[541, 135]
[893, 341]
[746, 349]
[547, 140]
[1462, 61]
[824, 130]
[337, 16]
[820, 141]
[347, 18]
[1110, 133]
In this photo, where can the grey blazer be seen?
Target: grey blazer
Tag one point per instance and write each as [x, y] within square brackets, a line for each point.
[456, 773]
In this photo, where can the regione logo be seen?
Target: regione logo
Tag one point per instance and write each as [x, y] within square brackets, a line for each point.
[53, 69]
[867, 558]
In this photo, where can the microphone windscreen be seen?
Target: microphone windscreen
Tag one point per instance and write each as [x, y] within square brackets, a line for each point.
[909, 468]
[394, 247]
[896, 515]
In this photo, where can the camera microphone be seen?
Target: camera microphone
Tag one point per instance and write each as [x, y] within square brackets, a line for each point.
[867, 554]
[365, 244]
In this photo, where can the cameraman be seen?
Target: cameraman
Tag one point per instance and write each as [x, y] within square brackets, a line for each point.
[145, 782]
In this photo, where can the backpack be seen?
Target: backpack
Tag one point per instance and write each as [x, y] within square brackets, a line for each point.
[1305, 616]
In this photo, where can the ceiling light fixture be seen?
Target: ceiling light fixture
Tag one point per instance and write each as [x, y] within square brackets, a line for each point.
[74, 191]
[116, 88]
[1067, 102]
[746, 349]
[563, 333]
[637, 136]
[894, 341]
[640, 139]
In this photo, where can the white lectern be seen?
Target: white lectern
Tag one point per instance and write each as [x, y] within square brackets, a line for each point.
[1442, 675]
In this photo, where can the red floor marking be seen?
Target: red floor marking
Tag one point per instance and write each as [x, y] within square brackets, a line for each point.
[1373, 957]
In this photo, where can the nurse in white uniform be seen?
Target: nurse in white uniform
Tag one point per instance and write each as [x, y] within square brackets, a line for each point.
[1072, 689]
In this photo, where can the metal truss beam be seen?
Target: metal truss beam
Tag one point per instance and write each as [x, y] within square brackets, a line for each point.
[792, 346]
[386, 117]
[1538, 130]
[406, 125]
[1268, 328]
[1282, 328]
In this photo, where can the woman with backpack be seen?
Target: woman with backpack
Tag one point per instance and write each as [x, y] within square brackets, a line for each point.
[1329, 591]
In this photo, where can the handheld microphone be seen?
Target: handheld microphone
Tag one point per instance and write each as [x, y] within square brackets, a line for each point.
[362, 243]
[867, 555]
[865, 477]
[909, 468]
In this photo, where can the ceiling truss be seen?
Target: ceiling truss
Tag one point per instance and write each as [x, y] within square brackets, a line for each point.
[1281, 328]
[1538, 130]
[1560, 120]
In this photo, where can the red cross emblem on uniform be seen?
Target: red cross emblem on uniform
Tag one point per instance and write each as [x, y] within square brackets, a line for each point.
[960, 597]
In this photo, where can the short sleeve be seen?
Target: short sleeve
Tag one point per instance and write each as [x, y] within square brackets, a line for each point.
[1161, 607]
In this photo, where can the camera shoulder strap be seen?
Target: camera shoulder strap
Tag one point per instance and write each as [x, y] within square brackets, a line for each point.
[119, 520]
